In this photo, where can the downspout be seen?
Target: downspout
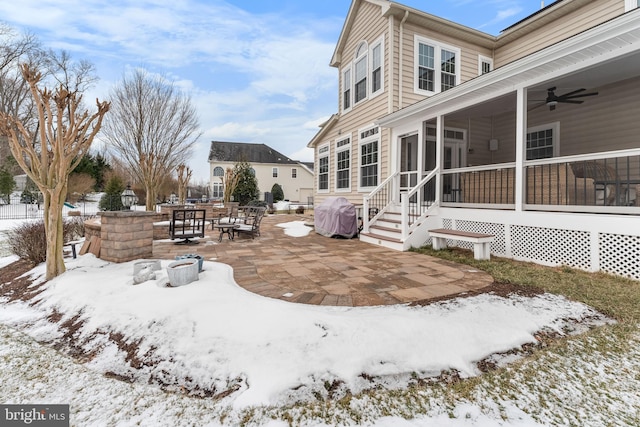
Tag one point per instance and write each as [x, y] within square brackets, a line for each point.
[391, 67]
[401, 58]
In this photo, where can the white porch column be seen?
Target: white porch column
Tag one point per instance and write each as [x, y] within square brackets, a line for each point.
[521, 141]
[439, 156]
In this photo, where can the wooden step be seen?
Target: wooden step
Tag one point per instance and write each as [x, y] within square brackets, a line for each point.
[380, 237]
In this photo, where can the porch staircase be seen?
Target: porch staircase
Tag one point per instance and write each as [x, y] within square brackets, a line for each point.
[386, 231]
[385, 207]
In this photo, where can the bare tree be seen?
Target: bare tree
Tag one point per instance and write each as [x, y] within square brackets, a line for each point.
[184, 176]
[51, 151]
[152, 128]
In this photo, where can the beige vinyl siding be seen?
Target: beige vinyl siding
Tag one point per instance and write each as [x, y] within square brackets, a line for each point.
[468, 59]
[589, 15]
[602, 123]
[369, 26]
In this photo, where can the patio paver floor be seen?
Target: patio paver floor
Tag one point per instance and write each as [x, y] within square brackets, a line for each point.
[323, 271]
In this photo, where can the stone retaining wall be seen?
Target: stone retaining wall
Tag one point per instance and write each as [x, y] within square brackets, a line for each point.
[126, 235]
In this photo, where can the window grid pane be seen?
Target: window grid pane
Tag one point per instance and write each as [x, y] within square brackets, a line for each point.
[448, 67]
[369, 164]
[346, 84]
[343, 171]
[376, 64]
[323, 175]
[426, 67]
[540, 144]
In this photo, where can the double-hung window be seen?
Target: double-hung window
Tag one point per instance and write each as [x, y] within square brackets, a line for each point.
[542, 141]
[484, 65]
[369, 157]
[346, 89]
[343, 164]
[361, 67]
[274, 172]
[323, 168]
[294, 172]
[376, 67]
[437, 66]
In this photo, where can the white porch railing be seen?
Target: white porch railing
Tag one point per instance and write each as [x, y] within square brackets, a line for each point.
[378, 201]
[416, 202]
[606, 182]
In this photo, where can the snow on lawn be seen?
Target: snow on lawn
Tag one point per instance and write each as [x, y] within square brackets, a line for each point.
[214, 335]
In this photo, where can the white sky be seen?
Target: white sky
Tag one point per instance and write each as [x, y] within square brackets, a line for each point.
[257, 71]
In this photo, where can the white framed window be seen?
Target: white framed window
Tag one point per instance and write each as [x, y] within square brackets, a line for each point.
[217, 190]
[274, 172]
[377, 68]
[437, 66]
[369, 154]
[218, 171]
[294, 172]
[543, 141]
[361, 65]
[631, 4]
[343, 164]
[346, 89]
[323, 168]
[485, 64]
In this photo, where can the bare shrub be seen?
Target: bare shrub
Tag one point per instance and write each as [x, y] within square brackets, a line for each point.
[28, 240]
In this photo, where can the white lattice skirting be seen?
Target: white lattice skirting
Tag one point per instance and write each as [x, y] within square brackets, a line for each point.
[587, 250]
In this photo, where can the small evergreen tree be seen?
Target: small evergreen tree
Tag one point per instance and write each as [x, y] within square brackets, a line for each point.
[247, 187]
[277, 193]
[111, 200]
[7, 185]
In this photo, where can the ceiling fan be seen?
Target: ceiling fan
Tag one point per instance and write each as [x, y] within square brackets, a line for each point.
[568, 98]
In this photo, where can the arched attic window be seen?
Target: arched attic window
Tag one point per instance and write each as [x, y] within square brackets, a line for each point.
[218, 171]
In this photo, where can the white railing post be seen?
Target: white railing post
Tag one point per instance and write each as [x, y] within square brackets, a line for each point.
[365, 214]
[404, 206]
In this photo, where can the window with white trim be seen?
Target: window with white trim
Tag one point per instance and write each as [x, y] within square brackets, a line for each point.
[343, 164]
[346, 89]
[274, 172]
[437, 66]
[369, 144]
[217, 190]
[218, 171]
[361, 66]
[377, 75]
[543, 141]
[485, 65]
[294, 173]
[323, 168]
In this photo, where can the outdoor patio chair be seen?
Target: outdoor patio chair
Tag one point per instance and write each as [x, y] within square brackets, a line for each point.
[250, 222]
[229, 217]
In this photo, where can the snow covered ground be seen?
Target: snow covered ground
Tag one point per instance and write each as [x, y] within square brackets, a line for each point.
[257, 355]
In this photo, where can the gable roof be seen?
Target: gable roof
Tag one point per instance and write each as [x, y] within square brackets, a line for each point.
[222, 151]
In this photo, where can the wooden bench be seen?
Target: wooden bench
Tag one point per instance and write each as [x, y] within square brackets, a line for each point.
[481, 242]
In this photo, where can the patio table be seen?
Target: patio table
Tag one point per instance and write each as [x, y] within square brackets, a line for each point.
[226, 229]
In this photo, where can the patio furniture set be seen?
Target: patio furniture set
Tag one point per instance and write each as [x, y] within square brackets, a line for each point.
[190, 223]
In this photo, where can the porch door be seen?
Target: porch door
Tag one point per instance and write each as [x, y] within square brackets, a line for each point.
[408, 162]
[454, 157]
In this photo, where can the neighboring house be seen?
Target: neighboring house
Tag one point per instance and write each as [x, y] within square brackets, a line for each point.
[270, 166]
[532, 136]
